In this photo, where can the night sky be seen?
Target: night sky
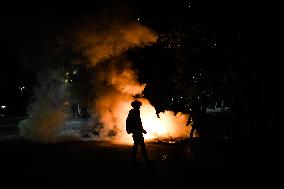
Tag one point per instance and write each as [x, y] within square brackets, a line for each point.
[205, 45]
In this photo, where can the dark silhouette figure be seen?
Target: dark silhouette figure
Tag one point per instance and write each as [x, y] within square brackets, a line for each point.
[134, 126]
[197, 117]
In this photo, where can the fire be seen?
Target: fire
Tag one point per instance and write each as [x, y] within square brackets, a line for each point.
[167, 126]
[114, 83]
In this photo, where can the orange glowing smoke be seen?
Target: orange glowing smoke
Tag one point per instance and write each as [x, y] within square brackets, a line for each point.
[169, 125]
[102, 45]
[116, 82]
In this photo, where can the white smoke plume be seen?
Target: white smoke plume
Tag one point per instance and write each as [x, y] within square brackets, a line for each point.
[48, 111]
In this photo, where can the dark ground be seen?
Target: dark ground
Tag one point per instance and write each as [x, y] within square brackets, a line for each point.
[243, 160]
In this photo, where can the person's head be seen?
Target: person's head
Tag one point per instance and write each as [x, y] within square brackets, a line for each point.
[136, 104]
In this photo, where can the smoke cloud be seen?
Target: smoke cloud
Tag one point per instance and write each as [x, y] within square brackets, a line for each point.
[102, 44]
[48, 111]
[114, 85]
[116, 82]
[115, 79]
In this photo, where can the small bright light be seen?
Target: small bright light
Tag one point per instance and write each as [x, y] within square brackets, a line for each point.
[75, 71]
[67, 73]
[188, 4]
[66, 80]
[138, 19]
[3, 107]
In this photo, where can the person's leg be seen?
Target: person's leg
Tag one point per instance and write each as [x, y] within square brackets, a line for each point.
[134, 149]
[191, 134]
[144, 152]
[143, 148]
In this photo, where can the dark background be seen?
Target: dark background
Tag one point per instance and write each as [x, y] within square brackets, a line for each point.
[234, 45]
[225, 50]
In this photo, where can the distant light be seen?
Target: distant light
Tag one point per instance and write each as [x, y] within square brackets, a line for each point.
[188, 4]
[213, 45]
[138, 19]
[66, 80]
[67, 73]
[71, 80]
[75, 71]
[3, 107]
[22, 88]
[66, 103]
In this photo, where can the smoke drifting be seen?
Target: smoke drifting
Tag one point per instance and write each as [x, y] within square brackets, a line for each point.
[101, 44]
[47, 113]
[115, 80]
[114, 84]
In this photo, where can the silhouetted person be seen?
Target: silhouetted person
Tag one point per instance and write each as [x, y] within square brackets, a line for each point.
[134, 126]
[196, 116]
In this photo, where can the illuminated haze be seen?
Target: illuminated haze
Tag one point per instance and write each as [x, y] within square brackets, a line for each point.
[114, 85]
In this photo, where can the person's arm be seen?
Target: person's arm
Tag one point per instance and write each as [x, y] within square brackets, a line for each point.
[141, 126]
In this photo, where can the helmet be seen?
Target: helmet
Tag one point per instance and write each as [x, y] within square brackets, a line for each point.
[136, 104]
